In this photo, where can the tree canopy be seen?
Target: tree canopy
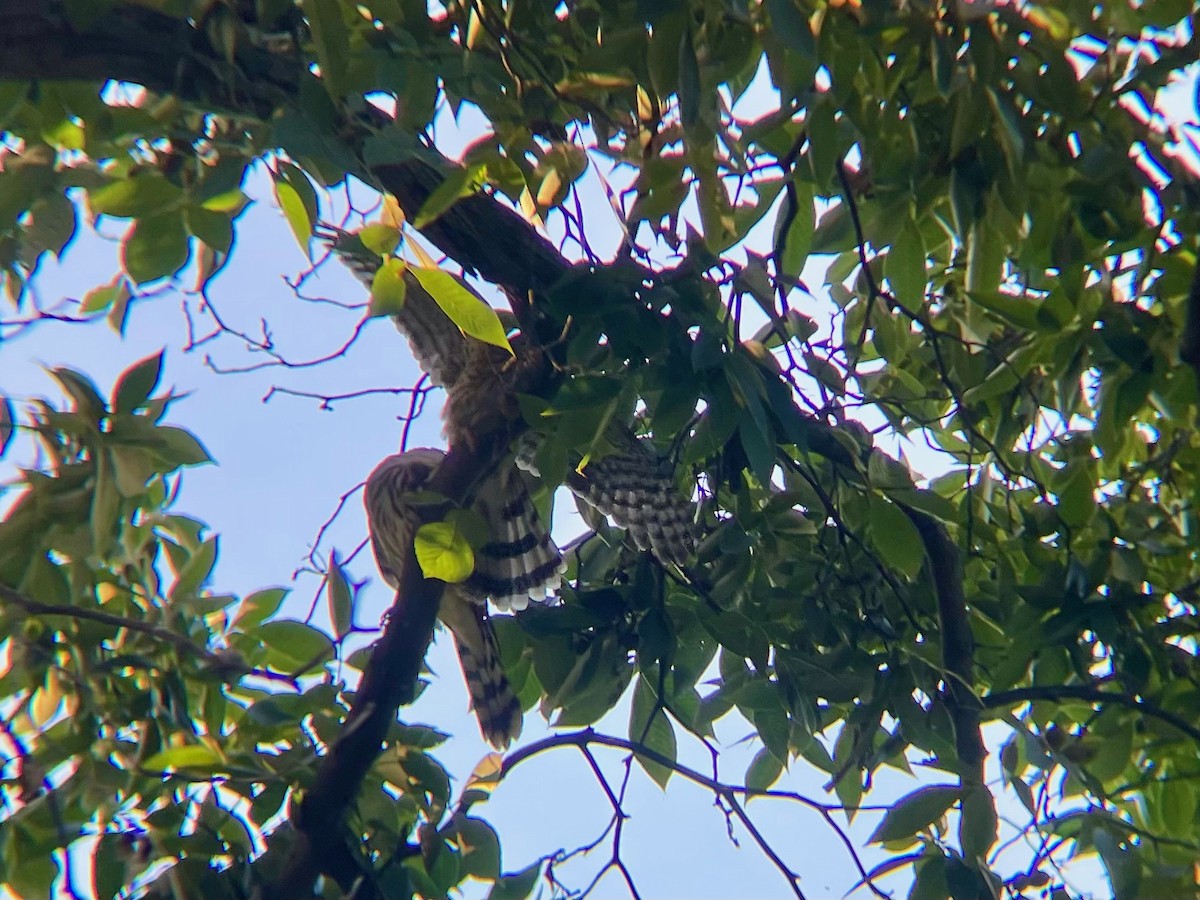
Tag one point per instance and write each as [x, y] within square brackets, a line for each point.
[1008, 230]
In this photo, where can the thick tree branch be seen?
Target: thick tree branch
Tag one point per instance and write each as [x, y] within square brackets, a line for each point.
[962, 705]
[390, 681]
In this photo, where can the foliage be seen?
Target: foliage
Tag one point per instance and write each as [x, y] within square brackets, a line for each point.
[1011, 240]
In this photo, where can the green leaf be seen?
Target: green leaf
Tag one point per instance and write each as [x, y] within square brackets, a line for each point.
[915, 812]
[181, 447]
[516, 885]
[332, 40]
[295, 645]
[196, 571]
[689, 88]
[1179, 807]
[930, 881]
[443, 551]
[194, 756]
[895, 537]
[380, 239]
[104, 296]
[30, 865]
[294, 211]
[977, 825]
[905, 266]
[480, 848]
[470, 313]
[793, 246]
[137, 383]
[341, 600]
[157, 247]
[108, 865]
[650, 727]
[300, 182]
[119, 311]
[214, 228]
[141, 196]
[82, 392]
[106, 507]
[259, 607]
[388, 288]
[764, 770]
[459, 183]
[791, 27]
[52, 224]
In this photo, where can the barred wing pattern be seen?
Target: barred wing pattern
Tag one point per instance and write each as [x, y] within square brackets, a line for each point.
[520, 564]
[436, 343]
[635, 486]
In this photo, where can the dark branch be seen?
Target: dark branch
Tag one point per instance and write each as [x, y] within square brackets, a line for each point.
[1058, 692]
[390, 681]
[229, 664]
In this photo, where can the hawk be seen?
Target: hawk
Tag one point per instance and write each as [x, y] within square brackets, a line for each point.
[634, 484]
[519, 564]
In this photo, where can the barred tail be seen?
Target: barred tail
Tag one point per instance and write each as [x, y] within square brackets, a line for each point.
[492, 698]
[520, 563]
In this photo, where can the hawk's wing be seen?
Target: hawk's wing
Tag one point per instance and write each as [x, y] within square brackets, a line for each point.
[519, 563]
[436, 342]
[636, 487]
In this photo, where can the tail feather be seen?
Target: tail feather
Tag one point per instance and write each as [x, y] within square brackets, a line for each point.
[520, 563]
[492, 698]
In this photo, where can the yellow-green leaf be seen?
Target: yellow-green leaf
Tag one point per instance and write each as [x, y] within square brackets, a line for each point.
[458, 184]
[381, 238]
[388, 289]
[193, 756]
[443, 552]
[295, 212]
[470, 313]
[139, 196]
[103, 296]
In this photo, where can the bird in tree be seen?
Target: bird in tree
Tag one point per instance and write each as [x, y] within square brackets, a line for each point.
[633, 483]
[519, 563]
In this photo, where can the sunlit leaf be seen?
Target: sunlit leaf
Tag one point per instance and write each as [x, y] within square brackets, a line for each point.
[141, 196]
[193, 756]
[459, 183]
[294, 211]
[443, 551]
[467, 311]
[388, 288]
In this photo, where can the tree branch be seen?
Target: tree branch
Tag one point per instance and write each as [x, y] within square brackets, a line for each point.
[1058, 692]
[389, 681]
[727, 793]
[230, 664]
